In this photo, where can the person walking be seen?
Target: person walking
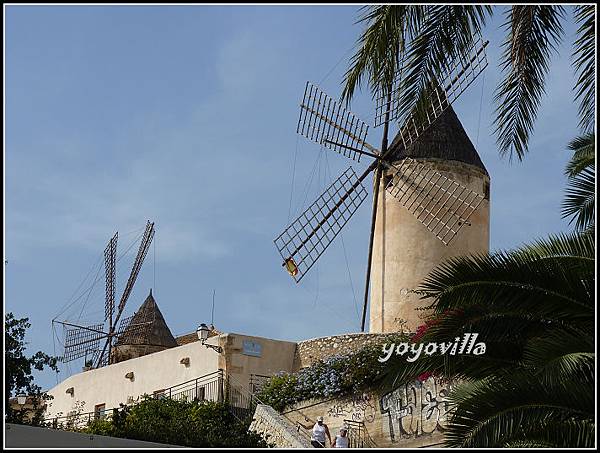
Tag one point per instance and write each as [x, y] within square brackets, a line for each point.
[319, 431]
[341, 440]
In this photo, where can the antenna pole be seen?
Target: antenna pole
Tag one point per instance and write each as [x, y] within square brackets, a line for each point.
[212, 316]
[384, 145]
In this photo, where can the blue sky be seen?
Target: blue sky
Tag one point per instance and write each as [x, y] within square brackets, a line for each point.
[186, 116]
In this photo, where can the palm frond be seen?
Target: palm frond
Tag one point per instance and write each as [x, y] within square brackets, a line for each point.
[575, 245]
[584, 154]
[584, 49]
[510, 281]
[579, 202]
[517, 407]
[427, 36]
[534, 33]
[380, 45]
[561, 357]
[446, 32]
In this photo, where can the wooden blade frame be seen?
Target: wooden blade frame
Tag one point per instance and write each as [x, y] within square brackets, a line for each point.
[110, 255]
[81, 340]
[440, 203]
[103, 359]
[137, 265]
[324, 121]
[307, 237]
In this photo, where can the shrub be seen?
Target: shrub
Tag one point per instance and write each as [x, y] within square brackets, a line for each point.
[188, 424]
[335, 375]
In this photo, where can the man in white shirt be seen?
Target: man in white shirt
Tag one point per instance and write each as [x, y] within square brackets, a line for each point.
[341, 440]
[319, 431]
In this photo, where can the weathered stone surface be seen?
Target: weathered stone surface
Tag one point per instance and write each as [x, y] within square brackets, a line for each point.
[276, 429]
[310, 351]
[413, 415]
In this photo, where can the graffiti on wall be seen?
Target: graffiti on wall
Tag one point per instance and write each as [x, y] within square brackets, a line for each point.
[416, 409]
[358, 408]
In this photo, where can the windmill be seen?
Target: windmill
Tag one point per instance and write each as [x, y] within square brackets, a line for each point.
[440, 203]
[97, 340]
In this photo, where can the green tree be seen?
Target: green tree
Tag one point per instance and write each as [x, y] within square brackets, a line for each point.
[429, 35]
[18, 369]
[189, 424]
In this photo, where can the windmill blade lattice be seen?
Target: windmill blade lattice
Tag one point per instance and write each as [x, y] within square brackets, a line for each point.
[100, 358]
[137, 265]
[80, 341]
[454, 78]
[307, 237]
[324, 121]
[440, 203]
[130, 332]
[110, 255]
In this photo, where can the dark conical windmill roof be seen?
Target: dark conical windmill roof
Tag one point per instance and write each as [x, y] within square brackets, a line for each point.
[444, 139]
[148, 327]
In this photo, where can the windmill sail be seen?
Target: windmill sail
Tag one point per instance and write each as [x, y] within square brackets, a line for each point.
[81, 340]
[137, 265]
[440, 203]
[110, 254]
[307, 237]
[453, 79]
[324, 121]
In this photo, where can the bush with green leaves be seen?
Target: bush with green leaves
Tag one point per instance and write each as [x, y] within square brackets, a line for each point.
[18, 373]
[336, 375]
[188, 424]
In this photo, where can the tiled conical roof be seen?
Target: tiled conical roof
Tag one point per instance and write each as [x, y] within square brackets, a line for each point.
[444, 139]
[148, 327]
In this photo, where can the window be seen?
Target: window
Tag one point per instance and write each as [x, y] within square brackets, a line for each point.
[159, 394]
[99, 411]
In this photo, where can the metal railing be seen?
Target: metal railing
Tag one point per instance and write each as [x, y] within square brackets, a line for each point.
[358, 437]
[241, 402]
[205, 388]
[257, 382]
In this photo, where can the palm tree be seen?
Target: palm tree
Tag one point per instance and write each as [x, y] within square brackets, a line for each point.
[429, 35]
[534, 308]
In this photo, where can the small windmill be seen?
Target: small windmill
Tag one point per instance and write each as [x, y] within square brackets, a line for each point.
[438, 202]
[81, 341]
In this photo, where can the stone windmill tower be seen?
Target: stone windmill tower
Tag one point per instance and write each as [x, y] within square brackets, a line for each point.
[430, 197]
[404, 250]
[154, 336]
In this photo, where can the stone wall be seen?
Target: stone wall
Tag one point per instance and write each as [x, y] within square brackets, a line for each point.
[413, 415]
[310, 351]
[275, 429]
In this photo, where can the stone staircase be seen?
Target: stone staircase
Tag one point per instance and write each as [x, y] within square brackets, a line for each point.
[276, 429]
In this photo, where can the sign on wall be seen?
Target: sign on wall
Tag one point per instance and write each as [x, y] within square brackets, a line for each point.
[252, 348]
